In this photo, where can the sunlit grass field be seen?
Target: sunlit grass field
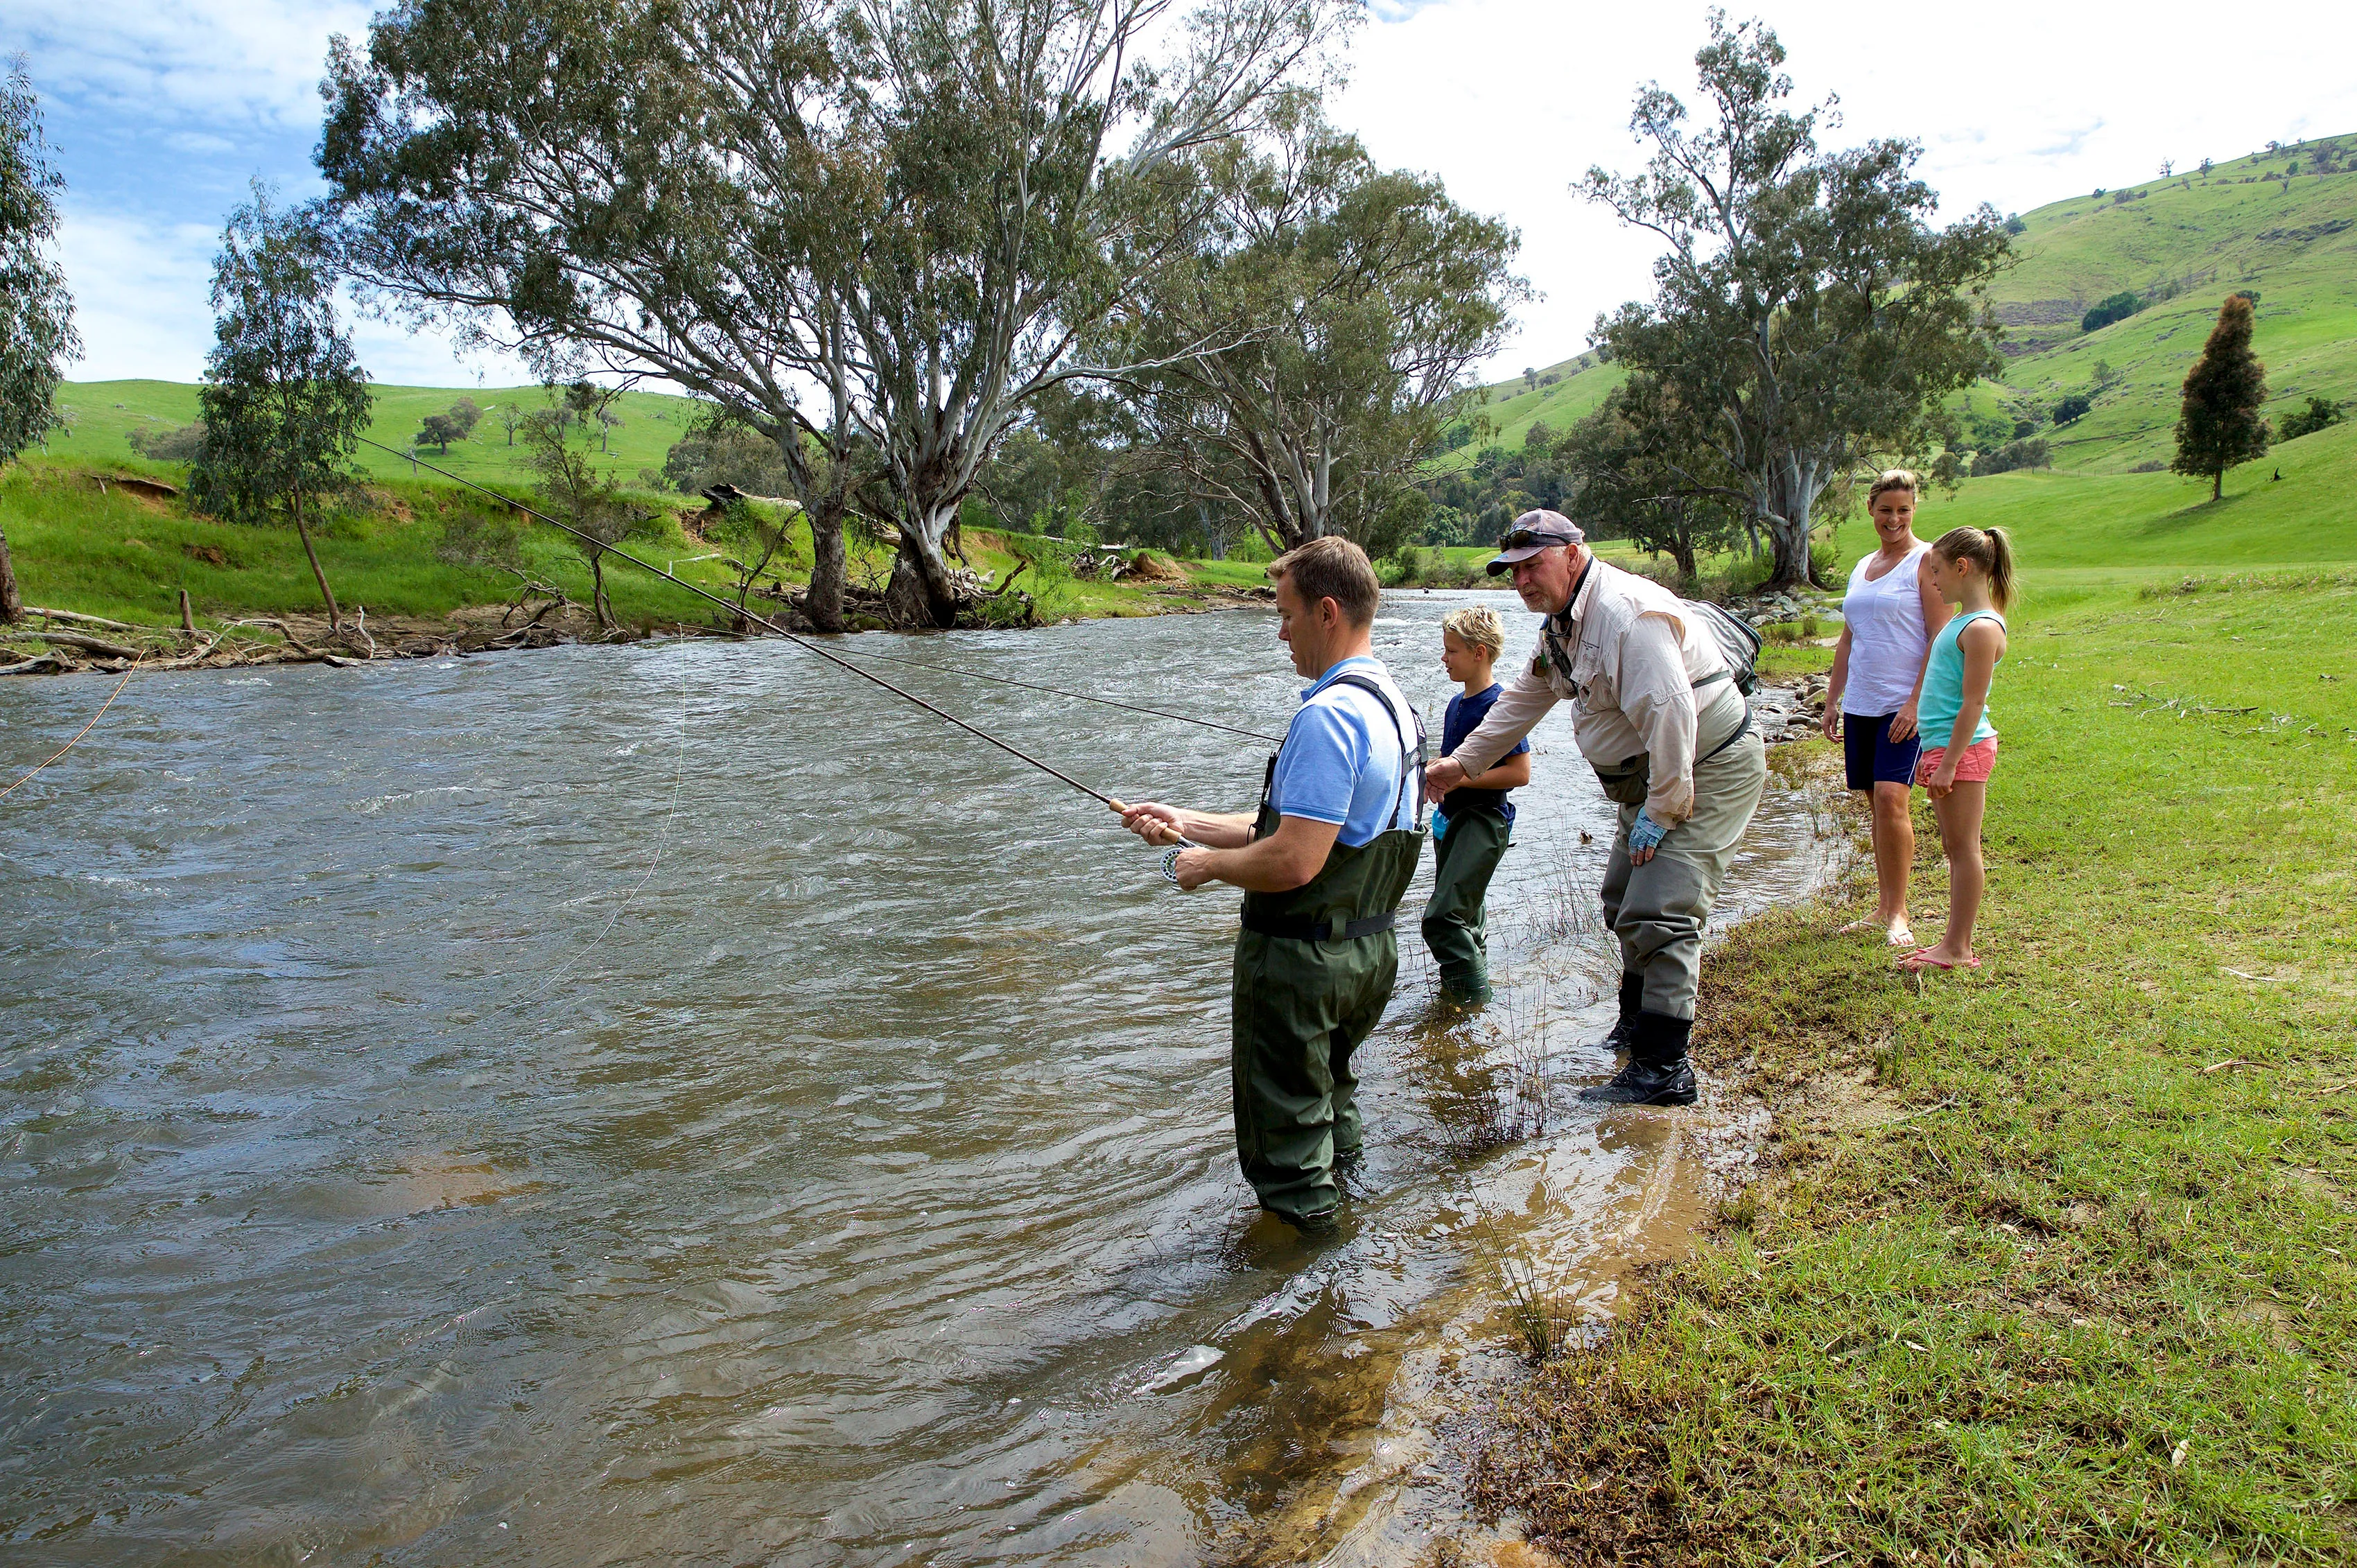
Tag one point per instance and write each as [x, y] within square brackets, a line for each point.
[2048, 1262]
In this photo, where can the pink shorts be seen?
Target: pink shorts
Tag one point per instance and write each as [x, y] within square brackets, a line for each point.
[1973, 766]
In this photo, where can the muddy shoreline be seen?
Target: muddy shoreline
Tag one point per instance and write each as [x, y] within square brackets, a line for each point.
[74, 643]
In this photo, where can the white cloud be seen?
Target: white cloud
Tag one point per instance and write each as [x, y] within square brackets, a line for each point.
[256, 63]
[139, 294]
[1510, 101]
[2018, 103]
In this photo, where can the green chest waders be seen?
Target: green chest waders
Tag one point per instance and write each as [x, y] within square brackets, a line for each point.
[1314, 969]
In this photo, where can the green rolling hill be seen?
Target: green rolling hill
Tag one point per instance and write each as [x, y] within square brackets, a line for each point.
[105, 413]
[2181, 244]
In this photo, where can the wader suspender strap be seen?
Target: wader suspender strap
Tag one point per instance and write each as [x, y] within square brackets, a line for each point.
[1366, 684]
[1370, 925]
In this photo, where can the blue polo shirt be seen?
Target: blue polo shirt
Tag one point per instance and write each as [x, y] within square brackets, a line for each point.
[1465, 716]
[1340, 760]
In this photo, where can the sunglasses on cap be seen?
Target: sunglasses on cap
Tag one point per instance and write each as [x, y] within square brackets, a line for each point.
[1533, 539]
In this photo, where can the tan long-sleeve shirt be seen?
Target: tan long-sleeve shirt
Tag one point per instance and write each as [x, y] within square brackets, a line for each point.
[1634, 659]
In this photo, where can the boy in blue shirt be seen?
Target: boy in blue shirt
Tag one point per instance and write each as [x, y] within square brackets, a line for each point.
[1470, 824]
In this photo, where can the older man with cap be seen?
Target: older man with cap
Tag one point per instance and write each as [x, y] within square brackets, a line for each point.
[1670, 736]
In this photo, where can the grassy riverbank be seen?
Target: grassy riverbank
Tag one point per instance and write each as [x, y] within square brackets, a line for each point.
[2048, 1262]
[86, 544]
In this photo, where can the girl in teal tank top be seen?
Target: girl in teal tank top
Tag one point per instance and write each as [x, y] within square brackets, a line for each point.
[1943, 684]
[1972, 570]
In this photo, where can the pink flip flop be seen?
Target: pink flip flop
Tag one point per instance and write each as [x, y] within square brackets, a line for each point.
[1921, 959]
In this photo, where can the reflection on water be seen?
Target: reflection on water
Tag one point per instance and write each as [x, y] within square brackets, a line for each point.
[655, 1102]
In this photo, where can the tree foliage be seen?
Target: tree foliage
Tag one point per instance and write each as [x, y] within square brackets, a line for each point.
[2219, 424]
[718, 448]
[283, 400]
[2119, 308]
[588, 500]
[1805, 301]
[2321, 413]
[1628, 479]
[851, 222]
[37, 331]
[1306, 349]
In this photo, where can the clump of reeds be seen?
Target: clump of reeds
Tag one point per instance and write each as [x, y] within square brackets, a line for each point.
[1544, 1320]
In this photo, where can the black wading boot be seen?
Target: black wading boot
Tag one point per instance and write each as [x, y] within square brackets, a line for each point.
[1624, 1037]
[1658, 1072]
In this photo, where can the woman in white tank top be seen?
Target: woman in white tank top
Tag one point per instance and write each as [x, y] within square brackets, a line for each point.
[1889, 617]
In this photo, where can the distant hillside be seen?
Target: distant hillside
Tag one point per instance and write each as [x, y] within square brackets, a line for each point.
[2181, 244]
[104, 413]
[1578, 386]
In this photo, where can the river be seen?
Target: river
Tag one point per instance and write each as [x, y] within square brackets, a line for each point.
[670, 1103]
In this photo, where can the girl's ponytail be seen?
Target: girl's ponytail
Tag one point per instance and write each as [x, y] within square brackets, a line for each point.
[2000, 568]
[1989, 549]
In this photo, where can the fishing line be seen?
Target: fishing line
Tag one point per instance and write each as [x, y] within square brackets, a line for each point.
[755, 616]
[85, 729]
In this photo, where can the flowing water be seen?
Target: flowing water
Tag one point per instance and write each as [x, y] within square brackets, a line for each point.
[675, 1103]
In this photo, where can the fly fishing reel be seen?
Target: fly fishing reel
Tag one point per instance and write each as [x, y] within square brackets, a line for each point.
[1170, 859]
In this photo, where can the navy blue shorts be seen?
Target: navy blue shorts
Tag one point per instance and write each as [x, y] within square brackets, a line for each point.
[1873, 758]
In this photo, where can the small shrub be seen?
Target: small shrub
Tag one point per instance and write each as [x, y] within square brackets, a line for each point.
[174, 443]
[2119, 308]
[2320, 413]
[2013, 454]
[2073, 406]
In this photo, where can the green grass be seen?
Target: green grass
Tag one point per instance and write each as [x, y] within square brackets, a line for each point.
[1511, 409]
[2031, 1277]
[103, 412]
[92, 548]
[116, 555]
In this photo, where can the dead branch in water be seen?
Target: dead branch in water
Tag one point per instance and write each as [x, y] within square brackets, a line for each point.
[89, 644]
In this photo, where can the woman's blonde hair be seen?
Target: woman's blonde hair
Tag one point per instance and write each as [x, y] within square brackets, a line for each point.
[1894, 480]
[1477, 625]
[1989, 549]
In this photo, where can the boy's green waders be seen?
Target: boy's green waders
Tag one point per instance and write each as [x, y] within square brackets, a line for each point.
[1454, 917]
[1314, 969]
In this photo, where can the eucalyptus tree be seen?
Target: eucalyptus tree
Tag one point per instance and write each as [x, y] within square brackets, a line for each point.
[37, 331]
[854, 224]
[1628, 476]
[1303, 354]
[1806, 302]
[284, 399]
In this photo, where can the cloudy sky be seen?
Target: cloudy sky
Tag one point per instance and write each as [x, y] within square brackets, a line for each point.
[164, 110]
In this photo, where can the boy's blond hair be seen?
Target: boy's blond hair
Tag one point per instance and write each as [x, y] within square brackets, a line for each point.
[1477, 625]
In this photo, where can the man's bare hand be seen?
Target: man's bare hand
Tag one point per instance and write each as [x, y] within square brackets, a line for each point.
[1441, 777]
[1154, 822]
[1192, 868]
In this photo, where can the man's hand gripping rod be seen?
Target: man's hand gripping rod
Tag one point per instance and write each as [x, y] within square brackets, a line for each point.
[1170, 854]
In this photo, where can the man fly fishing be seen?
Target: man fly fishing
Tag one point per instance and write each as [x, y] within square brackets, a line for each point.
[1656, 711]
[1324, 863]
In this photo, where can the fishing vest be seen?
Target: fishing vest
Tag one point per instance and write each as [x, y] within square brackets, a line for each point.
[1571, 669]
[1357, 892]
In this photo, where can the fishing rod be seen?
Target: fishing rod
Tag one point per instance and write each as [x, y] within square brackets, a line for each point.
[755, 616]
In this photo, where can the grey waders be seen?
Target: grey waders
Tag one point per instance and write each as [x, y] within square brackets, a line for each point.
[1659, 909]
[1314, 969]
